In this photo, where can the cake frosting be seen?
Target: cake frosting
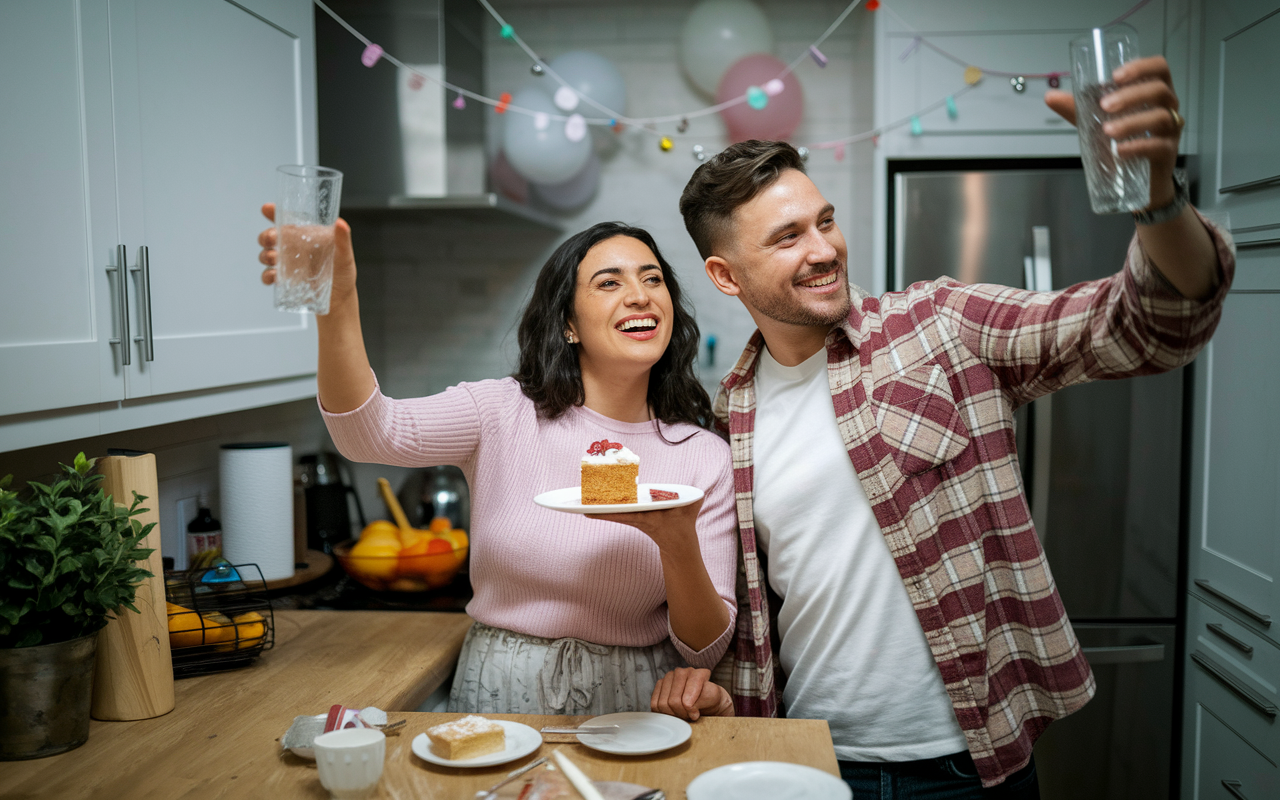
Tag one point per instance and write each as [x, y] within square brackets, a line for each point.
[610, 473]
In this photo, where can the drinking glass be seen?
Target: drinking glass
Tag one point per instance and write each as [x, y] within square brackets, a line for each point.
[1115, 183]
[306, 210]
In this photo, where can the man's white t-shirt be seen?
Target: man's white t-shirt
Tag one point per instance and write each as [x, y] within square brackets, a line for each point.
[852, 647]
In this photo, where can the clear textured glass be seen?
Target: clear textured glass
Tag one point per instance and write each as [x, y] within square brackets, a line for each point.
[306, 210]
[1115, 183]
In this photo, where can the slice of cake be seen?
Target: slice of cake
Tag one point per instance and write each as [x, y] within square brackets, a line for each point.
[468, 737]
[610, 473]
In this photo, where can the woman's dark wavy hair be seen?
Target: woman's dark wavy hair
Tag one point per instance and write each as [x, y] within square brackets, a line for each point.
[549, 373]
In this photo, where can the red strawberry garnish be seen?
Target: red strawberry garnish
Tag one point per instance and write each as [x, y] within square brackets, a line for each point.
[601, 447]
[661, 494]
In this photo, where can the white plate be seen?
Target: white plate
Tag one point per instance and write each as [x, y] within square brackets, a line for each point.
[639, 733]
[767, 780]
[570, 500]
[521, 741]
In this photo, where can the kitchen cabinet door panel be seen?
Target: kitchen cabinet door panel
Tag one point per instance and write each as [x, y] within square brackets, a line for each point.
[1221, 759]
[55, 305]
[222, 100]
[1235, 494]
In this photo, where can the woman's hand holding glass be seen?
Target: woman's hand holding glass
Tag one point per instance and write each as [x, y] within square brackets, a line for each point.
[344, 259]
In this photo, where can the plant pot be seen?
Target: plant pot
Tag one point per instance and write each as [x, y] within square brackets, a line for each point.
[45, 693]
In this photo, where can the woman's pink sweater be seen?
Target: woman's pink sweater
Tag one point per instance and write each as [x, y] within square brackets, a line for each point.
[542, 572]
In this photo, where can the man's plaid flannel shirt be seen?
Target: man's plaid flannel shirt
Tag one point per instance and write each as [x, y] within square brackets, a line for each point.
[924, 383]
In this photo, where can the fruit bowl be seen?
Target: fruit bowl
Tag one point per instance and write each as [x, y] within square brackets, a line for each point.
[430, 565]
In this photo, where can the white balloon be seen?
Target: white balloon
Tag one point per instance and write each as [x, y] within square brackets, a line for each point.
[541, 156]
[592, 76]
[575, 192]
[717, 34]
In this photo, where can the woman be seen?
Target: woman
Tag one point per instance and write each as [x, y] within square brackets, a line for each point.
[574, 614]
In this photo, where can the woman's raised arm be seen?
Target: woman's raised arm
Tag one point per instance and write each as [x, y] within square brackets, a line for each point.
[344, 376]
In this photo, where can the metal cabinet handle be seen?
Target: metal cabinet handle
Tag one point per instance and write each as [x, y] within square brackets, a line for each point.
[1234, 788]
[144, 304]
[1262, 619]
[1124, 654]
[1233, 683]
[1240, 644]
[1039, 275]
[121, 331]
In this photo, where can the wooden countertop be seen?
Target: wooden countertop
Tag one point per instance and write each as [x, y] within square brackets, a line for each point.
[716, 741]
[221, 738]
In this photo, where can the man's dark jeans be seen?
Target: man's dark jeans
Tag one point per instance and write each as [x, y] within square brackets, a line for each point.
[950, 777]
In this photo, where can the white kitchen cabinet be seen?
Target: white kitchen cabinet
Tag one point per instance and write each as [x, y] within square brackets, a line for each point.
[1235, 485]
[1231, 739]
[155, 126]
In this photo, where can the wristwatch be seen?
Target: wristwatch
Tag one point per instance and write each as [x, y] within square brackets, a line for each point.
[1181, 196]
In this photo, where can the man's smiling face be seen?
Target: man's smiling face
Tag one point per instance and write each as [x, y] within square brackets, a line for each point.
[788, 256]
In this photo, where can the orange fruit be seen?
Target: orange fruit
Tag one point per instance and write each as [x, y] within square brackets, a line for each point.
[375, 558]
[250, 628]
[457, 537]
[380, 528]
[189, 629]
[427, 557]
[440, 524]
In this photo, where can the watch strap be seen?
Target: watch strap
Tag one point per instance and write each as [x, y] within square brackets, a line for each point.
[1181, 196]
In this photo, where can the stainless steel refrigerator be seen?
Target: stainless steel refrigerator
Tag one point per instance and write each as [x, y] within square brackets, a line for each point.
[1101, 462]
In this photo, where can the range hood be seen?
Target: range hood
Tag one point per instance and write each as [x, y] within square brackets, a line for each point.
[401, 148]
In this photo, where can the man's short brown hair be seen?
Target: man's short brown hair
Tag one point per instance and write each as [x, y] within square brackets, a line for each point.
[731, 179]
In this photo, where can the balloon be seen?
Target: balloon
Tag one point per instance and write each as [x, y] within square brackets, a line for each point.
[780, 114]
[504, 180]
[541, 156]
[718, 33]
[573, 193]
[593, 76]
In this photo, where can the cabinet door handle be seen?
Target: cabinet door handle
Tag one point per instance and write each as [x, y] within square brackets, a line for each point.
[1234, 788]
[144, 304]
[1233, 683]
[1262, 619]
[1124, 654]
[121, 331]
[1240, 644]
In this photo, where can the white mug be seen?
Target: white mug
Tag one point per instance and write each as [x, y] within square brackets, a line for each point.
[350, 761]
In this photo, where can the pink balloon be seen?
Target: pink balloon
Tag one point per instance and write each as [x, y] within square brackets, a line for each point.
[778, 119]
[504, 179]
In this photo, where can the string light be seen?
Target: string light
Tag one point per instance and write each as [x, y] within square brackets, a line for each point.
[972, 76]
[756, 98]
[666, 144]
[952, 111]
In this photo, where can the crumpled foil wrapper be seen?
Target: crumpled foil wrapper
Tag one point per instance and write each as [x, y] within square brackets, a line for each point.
[301, 736]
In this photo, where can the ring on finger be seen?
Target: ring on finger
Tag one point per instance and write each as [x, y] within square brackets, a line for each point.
[1178, 121]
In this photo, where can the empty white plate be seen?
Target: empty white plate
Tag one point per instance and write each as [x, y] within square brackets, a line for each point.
[639, 733]
[767, 780]
[521, 741]
[570, 500]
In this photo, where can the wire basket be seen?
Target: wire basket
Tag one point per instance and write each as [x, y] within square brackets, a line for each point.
[219, 618]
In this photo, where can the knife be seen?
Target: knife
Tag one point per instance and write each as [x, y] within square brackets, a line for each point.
[583, 729]
[487, 794]
[580, 781]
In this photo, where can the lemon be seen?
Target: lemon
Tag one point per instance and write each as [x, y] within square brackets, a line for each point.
[250, 628]
[375, 558]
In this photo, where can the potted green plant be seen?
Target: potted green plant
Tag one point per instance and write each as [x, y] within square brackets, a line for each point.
[68, 559]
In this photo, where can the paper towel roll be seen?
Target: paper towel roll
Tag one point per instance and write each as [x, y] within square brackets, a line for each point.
[257, 506]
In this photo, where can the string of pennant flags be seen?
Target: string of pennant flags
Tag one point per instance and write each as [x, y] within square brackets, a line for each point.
[757, 97]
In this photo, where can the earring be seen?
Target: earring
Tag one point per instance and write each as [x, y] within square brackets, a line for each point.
[570, 338]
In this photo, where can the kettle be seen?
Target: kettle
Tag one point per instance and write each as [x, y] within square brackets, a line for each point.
[328, 517]
[436, 492]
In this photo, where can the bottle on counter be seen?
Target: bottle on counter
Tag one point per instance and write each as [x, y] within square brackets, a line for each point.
[204, 539]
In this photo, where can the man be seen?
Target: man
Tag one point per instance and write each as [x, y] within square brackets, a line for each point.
[877, 473]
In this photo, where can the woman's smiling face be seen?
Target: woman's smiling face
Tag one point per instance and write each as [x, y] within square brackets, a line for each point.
[622, 309]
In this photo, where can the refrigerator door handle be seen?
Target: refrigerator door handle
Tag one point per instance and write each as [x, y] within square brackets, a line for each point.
[1234, 788]
[1039, 273]
[1124, 654]
[1240, 644]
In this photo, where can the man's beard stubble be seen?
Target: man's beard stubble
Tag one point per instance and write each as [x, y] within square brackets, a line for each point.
[782, 309]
